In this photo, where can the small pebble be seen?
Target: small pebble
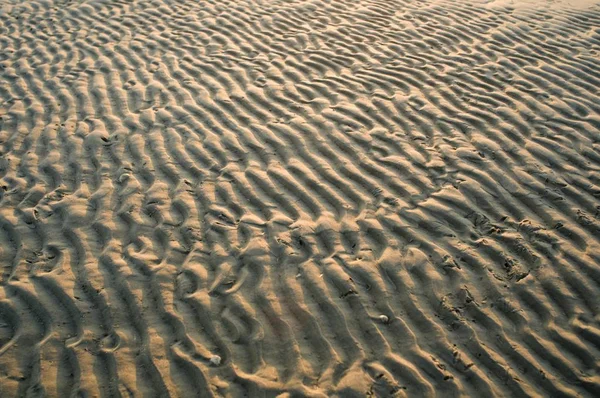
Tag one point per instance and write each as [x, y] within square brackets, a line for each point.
[215, 360]
[384, 319]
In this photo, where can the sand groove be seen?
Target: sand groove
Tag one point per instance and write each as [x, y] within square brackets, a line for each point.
[318, 198]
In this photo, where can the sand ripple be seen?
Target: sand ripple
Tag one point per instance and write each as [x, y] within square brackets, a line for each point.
[311, 198]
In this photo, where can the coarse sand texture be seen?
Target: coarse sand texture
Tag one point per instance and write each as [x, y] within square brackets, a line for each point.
[299, 198]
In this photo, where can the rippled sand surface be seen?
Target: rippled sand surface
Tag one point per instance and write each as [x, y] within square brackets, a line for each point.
[295, 198]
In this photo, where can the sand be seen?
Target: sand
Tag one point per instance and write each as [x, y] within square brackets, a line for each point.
[299, 198]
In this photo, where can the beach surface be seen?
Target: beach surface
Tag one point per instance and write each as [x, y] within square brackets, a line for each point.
[303, 198]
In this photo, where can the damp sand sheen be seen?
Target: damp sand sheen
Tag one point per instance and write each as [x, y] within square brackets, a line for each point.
[303, 198]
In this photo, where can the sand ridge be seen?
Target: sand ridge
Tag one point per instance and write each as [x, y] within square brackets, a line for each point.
[299, 198]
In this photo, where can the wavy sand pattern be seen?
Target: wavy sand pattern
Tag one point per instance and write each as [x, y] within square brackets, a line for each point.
[307, 198]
